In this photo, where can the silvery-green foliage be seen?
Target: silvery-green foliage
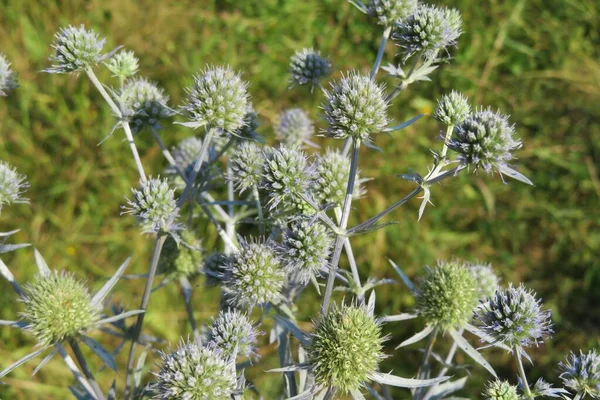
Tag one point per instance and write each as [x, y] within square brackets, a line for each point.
[428, 31]
[486, 281]
[308, 67]
[294, 128]
[246, 165]
[8, 78]
[390, 12]
[123, 64]
[500, 390]
[513, 316]
[193, 371]
[217, 99]
[144, 104]
[452, 108]
[541, 388]
[232, 331]
[355, 107]
[214, 268]
[581, 373]
[154, 206]
[12, 185]
[183, 259]
[58, 307]
[76, 49]
[333, 171]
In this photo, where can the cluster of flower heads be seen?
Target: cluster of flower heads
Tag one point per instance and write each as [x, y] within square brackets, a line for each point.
[8, 78]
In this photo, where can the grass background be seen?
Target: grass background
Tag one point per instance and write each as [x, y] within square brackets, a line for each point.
[537, 60]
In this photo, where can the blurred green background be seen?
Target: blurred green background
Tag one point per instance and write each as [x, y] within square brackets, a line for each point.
[537, 60]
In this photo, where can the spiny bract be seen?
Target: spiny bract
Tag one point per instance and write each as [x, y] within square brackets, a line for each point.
[76, 49]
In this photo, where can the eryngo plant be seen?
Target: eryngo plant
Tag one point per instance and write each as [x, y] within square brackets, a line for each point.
[12, 185]
[8, 78]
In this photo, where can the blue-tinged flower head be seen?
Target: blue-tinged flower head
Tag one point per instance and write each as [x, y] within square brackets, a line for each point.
[500, 390]
[514, 316]
[485, 139]
[58, 307]
[76, 49]
[144, 104]
[294, 128]
[308, 67]
[12, 185]
[123, 64]
[193, 371]
[428, 31]
[232, 331]
[218, 99]
[305, 247]
[452, 108]
[346, 348]
[154, 206]
[246, 165]
[581, 373]
[254, 274]
[486, 281]
[390, 12]
[355, 107]
[8, 79]
[183, 259]
[333, 169]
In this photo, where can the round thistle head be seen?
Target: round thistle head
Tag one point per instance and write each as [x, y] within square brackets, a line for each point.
[254, 274]
[233, 330]
[308, 67]
[123, 65]
[287, 174]
[58, 307]
[294, 128]
[333, 169]
[144, 104]
[8, 79]
[154, 206]
[428, 31]
[500, 390]
[452, 109]
[484, 139]
[218, 99]
[306, 247]
[76, 49]
[447, 295]
[346, 348]
[195, 372]
[246, 165]
[486, 281]
[214, 268]
[12, 185]
[581, 373]
[355, 107]
[514, 316]
[183, 260]
[390, 12]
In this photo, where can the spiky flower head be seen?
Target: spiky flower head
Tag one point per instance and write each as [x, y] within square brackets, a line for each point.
[144, 104]
[76, 49]
[8, 79]
[246, 165]
[346, 348]
[306, 247]
[514, 316]
[154, 206]
[486, 281]
[485, 139]
[294, 128]
[581, 373]
[452, 108]
[218, 99]
[214, 268]
[287, 174]
[233, 330]
[428, 31]
[254, 274]
[500, 390]
[355, 107]
[333, 169]
[447, 295]
[195, 372]
[58, 307]
[308, 67]
[183, 259]
[123, 65]
[390, 12]
[12, 185]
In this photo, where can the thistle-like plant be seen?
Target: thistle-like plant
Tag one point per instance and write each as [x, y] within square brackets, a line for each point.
[76, 49]
[294, 128]
[233, 333]
[486, 281]
[144, 104]
[246, 165]
[123, 65]
[500, 390]
[452, 108]
[12, 185]
[581, 373]
[8, 78]
[308, 67]
[154, 206]
[390, 12]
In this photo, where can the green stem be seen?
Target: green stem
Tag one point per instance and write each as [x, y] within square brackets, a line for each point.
[86, 369]
[424, 368]
[444, 369]
[384, 39]
[197, 166]
[578, 396]
[229, 224]
[517, 352]
[446, 139]
[261, 219]
[351, 259]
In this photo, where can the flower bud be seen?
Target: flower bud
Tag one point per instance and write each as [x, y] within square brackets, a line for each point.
[295, 128]
[452, 109]
[246, 165]
[154, 206]
[144, 104]
[183, 259]
[308, 67]
[123, 65]
[8, 79]
[12, 185]
[486, 281]
[581, 373]
[500, 390]
[390, 12]
[333, 169]
[76, 49]
[233, 330]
